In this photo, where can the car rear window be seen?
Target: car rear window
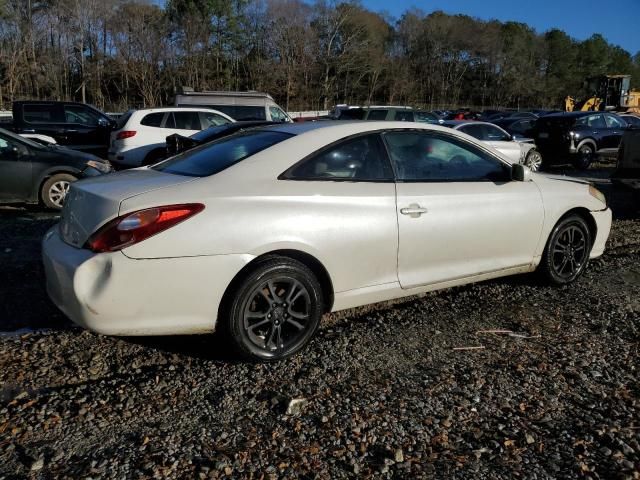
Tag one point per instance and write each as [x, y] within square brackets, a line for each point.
[152, 119]
[238, 112]
[214, 157]
[122, 120]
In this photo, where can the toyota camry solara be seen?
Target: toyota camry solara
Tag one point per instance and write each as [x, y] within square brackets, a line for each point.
[262, 232]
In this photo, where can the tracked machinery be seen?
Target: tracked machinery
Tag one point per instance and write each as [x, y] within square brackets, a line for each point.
[610, 92]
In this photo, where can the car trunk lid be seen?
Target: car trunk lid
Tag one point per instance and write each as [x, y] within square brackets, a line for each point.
[93, 202]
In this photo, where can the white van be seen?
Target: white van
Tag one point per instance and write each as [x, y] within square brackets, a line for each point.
[238, 105]
[140, 135]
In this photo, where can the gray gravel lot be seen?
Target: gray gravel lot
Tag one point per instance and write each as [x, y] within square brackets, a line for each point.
[386, 395]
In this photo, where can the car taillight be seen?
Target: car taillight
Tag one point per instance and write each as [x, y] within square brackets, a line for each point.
[134, 227]
[122, 134]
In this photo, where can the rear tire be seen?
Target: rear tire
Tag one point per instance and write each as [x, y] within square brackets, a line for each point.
[274, 311]
[584, 157]
[534, 160]
[55, 189]
[566, 254]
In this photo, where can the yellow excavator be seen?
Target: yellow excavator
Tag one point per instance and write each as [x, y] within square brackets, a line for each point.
[611, 92]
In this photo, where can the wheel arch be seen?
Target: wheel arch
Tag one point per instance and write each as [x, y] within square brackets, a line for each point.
[585, 214]
[590, 141]
[311, 262]
[46, 175]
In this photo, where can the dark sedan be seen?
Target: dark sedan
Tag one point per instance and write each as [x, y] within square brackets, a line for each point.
[31, 172]
[177, 143]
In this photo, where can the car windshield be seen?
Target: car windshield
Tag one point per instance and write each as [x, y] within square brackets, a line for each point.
[211, 158]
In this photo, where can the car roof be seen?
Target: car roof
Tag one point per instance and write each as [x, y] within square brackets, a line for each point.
[173, 109]
[459, 123]
[572, 114]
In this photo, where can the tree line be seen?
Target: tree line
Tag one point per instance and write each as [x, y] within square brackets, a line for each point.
[120, 54]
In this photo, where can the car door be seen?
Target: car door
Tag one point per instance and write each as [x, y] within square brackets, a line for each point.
[502, 141]
[349, 190]
[86, 129]
[459, 213]
[46, 119]
[15, 170]
[615, 129]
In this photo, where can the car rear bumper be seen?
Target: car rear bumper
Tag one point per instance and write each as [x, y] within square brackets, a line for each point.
[112, 294]
[603, 226]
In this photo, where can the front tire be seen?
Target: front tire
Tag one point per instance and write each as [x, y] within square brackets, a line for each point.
[55, 189]
[275, 310]
[566, 254]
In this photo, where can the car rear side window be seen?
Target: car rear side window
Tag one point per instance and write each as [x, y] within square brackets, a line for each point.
[211, 158]
[358, 159]
[475, 130]
[152, 119]
[377, 115]
[187, 120]
[403, 116]
[40, 114]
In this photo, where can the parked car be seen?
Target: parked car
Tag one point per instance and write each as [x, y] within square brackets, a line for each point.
[631, 120]
[177, 143]
[140, 135]
[627, 172]
[260, 233]
[508, 114]
[237, 105]
[74, 125]
[578, 137]
[31, 172]
[388, 113]
[346, 112]
[402, 114]
[517, 127]
[516, 150]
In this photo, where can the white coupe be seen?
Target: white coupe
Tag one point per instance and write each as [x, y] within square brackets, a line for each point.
[260, 233]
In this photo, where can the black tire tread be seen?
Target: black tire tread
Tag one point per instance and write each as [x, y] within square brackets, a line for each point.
[46, 185]
[227, 326]
[545, 268]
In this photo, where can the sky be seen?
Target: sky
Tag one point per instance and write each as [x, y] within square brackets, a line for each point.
[617, 20]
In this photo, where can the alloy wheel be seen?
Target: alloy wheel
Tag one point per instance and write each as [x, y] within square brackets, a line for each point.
[278, 314]
[534, 161]
[58, 192]
[569, 252]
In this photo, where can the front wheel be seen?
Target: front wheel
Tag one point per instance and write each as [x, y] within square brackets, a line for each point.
[567, 252]
[275, 310]
[533, 160]
[55, 189]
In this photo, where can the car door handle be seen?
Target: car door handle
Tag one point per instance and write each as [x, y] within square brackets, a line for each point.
[70, 130]
[414, 210]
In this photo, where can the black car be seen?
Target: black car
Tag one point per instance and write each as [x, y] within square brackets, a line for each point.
[518, 127]
[74, 125]
[31, 172]
[578, 137]
[177, 143]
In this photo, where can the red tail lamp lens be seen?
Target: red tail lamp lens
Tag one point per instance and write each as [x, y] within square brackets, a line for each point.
[125, 134]
[134, 227]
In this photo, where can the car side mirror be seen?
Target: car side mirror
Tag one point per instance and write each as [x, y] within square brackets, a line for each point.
[520, 173]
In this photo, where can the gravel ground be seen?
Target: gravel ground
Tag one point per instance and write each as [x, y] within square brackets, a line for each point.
[385, 393]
